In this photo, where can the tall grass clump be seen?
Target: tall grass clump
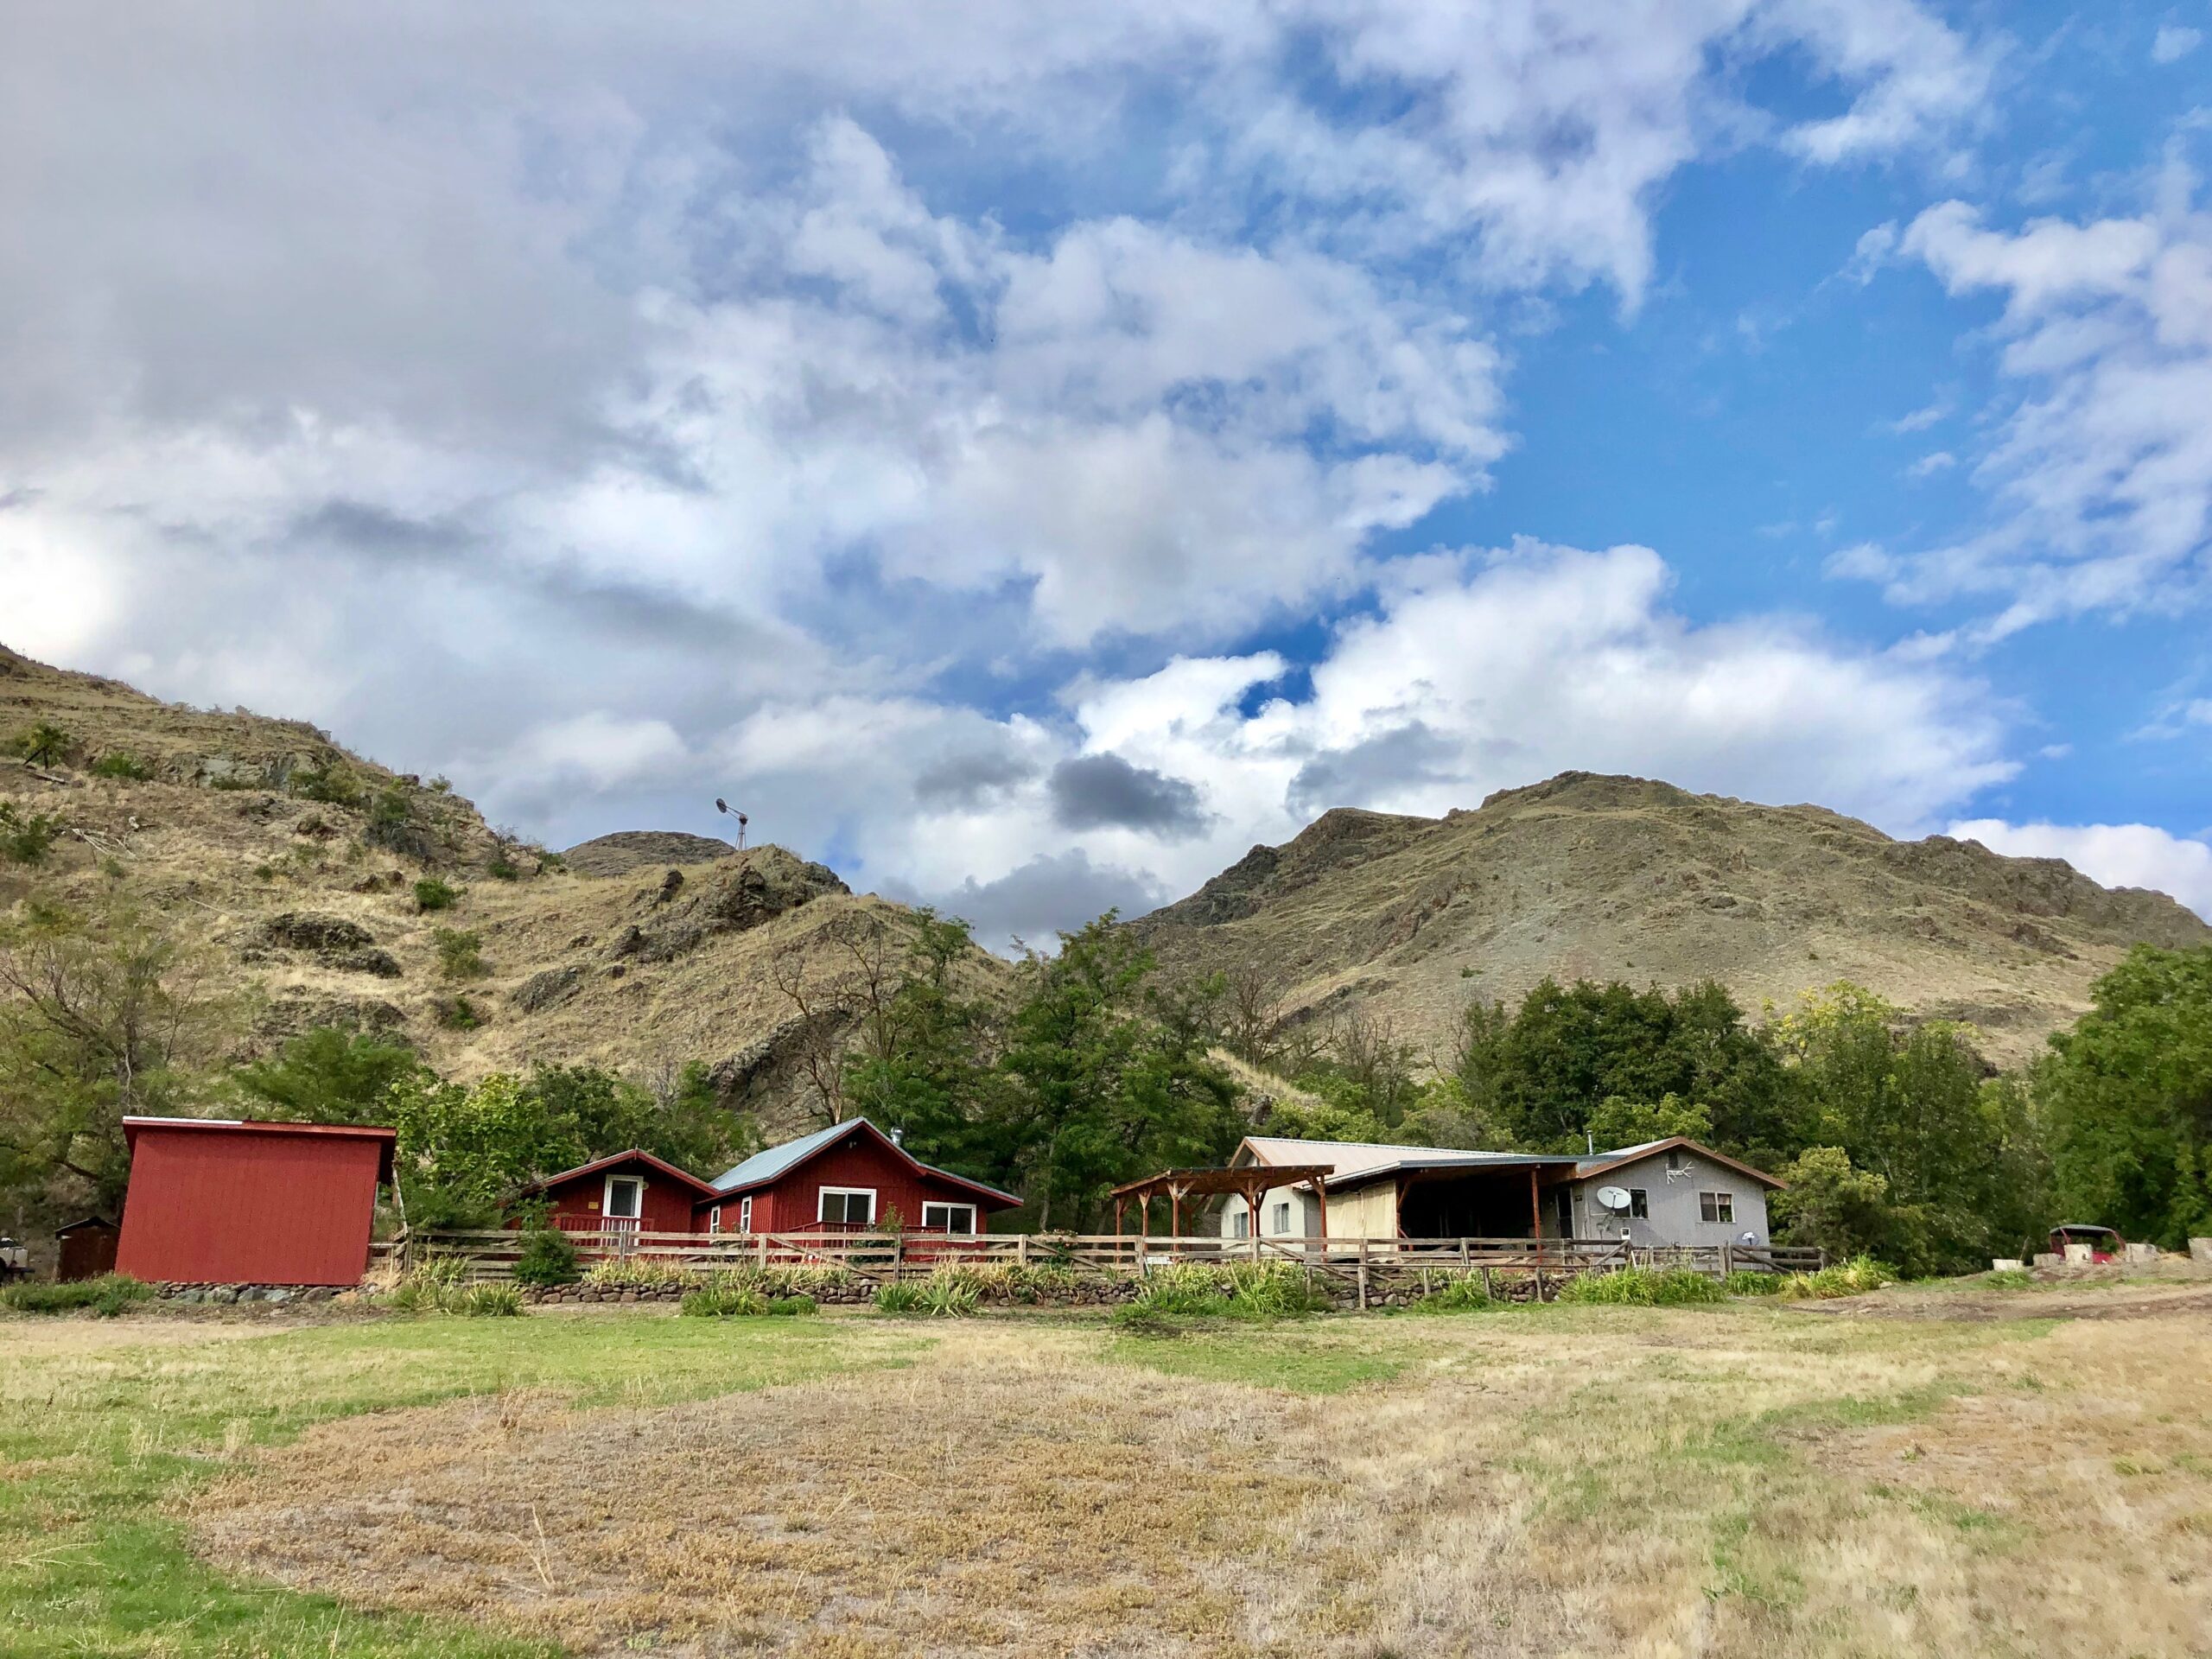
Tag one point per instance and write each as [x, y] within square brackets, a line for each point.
[722, 1302]
[633, 1272]
[105, 1296]
[1643, 1287]
[899, 1298]
[1852, 1278]
[1463, 1293]
[1245, 1290]
[1749, 1281]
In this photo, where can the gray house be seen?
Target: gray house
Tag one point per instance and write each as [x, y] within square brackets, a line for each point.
[1667, 1192]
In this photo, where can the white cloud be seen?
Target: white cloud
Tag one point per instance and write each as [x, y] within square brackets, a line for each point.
[2102, 469]
[2118, 854]
[1939, 460]
[2173, 42]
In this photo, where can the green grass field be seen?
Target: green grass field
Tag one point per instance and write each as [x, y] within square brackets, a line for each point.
[1740, 1479]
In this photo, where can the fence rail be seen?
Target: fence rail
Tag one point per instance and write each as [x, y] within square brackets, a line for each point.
[887, 1256]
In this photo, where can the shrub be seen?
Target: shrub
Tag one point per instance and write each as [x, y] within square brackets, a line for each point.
[389, 810]
[460, 954]
[334, 782]
[44, 744]
[2009, 1279]
[123, 765]
[899, 1298]
[106, 1296]
[949, 1295]
[548, 1258]
[1241, 1290]
[1745, 1281]
[792, 1307]
[1464, 1294]
[26, 838]
[1852, 1278]
[488, 1302]
[723, 1302]
[458, 1015]
[503, 867]
[1643, 1287]
[431, 893]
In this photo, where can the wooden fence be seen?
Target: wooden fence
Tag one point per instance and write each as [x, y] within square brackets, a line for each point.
[883, 1256]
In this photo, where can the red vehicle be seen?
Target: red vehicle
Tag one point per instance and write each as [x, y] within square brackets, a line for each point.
[2105, 1245]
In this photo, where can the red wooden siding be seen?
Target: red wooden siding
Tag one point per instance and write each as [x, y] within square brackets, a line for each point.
[790, 1204]
[244, 1204]
[666, 1206]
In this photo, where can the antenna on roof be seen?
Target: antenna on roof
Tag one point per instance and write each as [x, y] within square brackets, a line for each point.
[721, 805]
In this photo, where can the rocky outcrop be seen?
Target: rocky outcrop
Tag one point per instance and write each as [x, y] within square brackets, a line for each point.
[738, 894]
[636, 849]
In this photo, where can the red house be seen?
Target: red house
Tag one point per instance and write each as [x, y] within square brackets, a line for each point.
[227, 1202]
[850, 1176]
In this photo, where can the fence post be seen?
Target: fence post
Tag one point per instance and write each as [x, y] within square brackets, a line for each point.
[764, 1252]
[1021, 1250]
[1540, 1271]
[899, 1255]
[1362, 1275]
[1725, 1260]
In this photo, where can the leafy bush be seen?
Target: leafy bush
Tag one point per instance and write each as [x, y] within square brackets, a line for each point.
[1464, 1294]
[458, 1014]
[26, 838]
[106, 1296]
[548, 1258]
[502, 868]
[1745, 1282]
[1852, 1278]
[123, 765]
[723, 1302]
[44, 744]
[334, 782]
[488, 1302]
[431, 893]
[390, 808]
[792, 1307]
[1643, 1287]
[461, 953]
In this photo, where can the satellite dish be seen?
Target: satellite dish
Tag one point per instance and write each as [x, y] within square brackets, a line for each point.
[1614, 1198]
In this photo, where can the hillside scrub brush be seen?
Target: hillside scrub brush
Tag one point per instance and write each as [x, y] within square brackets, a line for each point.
[121, 765]
[1643, 1287]
[460, 954]
[431, 893]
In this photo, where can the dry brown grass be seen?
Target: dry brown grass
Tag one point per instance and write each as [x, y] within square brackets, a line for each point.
[1589, 1482]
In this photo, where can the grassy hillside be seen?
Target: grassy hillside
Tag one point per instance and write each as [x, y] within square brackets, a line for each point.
[1602, 877]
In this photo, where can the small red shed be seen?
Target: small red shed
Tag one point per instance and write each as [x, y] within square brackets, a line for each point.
[85, 1248]
[227, 1202]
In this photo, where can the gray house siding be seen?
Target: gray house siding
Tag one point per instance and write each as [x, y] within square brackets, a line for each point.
[1675, 1210]
[1304, 1220]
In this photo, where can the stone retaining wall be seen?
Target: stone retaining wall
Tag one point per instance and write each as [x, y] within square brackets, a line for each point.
[228, 1295]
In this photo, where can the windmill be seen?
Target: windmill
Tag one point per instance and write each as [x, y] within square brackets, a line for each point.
[721, 805]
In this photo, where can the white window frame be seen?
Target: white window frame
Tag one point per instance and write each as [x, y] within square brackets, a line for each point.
[1242, 1219]
[947, 1205]
[606, 1199]
[745, 1215]
[1279, 1226]
[821, 1205]
[1639, 1203]
[1723, 1206]
[714, 1220]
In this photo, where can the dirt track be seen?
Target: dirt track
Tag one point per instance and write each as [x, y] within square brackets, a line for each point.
[2089, 1301]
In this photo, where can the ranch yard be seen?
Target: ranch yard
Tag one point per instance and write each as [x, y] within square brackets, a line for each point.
[1995, 1473]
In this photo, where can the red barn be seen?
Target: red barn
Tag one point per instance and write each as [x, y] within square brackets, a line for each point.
[850, 1176]
[220, 1201]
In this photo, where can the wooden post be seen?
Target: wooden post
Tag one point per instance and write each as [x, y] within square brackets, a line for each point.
[1724, 1262]
[1486, 1285]
[1362, 1273]
[763, 1249]
[1252, 1203]
[899, 1253]
[1021, 1243]
[1175, 1220]
[1535, 1213]
[1321, 1194]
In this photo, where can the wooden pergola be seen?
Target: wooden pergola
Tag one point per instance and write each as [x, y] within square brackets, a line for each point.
[1249, 1183]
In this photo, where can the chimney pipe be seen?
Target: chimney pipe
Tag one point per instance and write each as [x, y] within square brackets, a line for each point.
[898, 1137]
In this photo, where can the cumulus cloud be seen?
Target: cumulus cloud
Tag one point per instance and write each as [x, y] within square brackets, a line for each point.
[1104, 792]
[2173, 42]
[2101, 468]
[2118, 854]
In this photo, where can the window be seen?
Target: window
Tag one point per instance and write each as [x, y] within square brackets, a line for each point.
[1717, 1206]
[951, 1217]
[745, 1215]
[1279, 1225]
[714, 1219]
[1242, 1224]
[847, 1206]
[1639, 1203]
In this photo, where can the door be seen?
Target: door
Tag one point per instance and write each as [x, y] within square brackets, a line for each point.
[623, 1210]
[1563, 1207]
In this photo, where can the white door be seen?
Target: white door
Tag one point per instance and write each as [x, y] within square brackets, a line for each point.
[625, 1206]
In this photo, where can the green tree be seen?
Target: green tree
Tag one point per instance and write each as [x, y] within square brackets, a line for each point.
[2127, 1096]
[1845, 1212]
[45, 744]
[1618, 1122]
[1108, 1076]
[923, 1061]
[103, 1013]
[329, 1076]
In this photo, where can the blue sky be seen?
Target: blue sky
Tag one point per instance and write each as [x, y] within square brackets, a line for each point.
[1027, 459]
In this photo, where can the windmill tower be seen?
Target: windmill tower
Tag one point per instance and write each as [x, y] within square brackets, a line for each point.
[721, 805]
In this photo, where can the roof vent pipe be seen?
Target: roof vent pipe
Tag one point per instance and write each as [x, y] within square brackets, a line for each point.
[898, 1137]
